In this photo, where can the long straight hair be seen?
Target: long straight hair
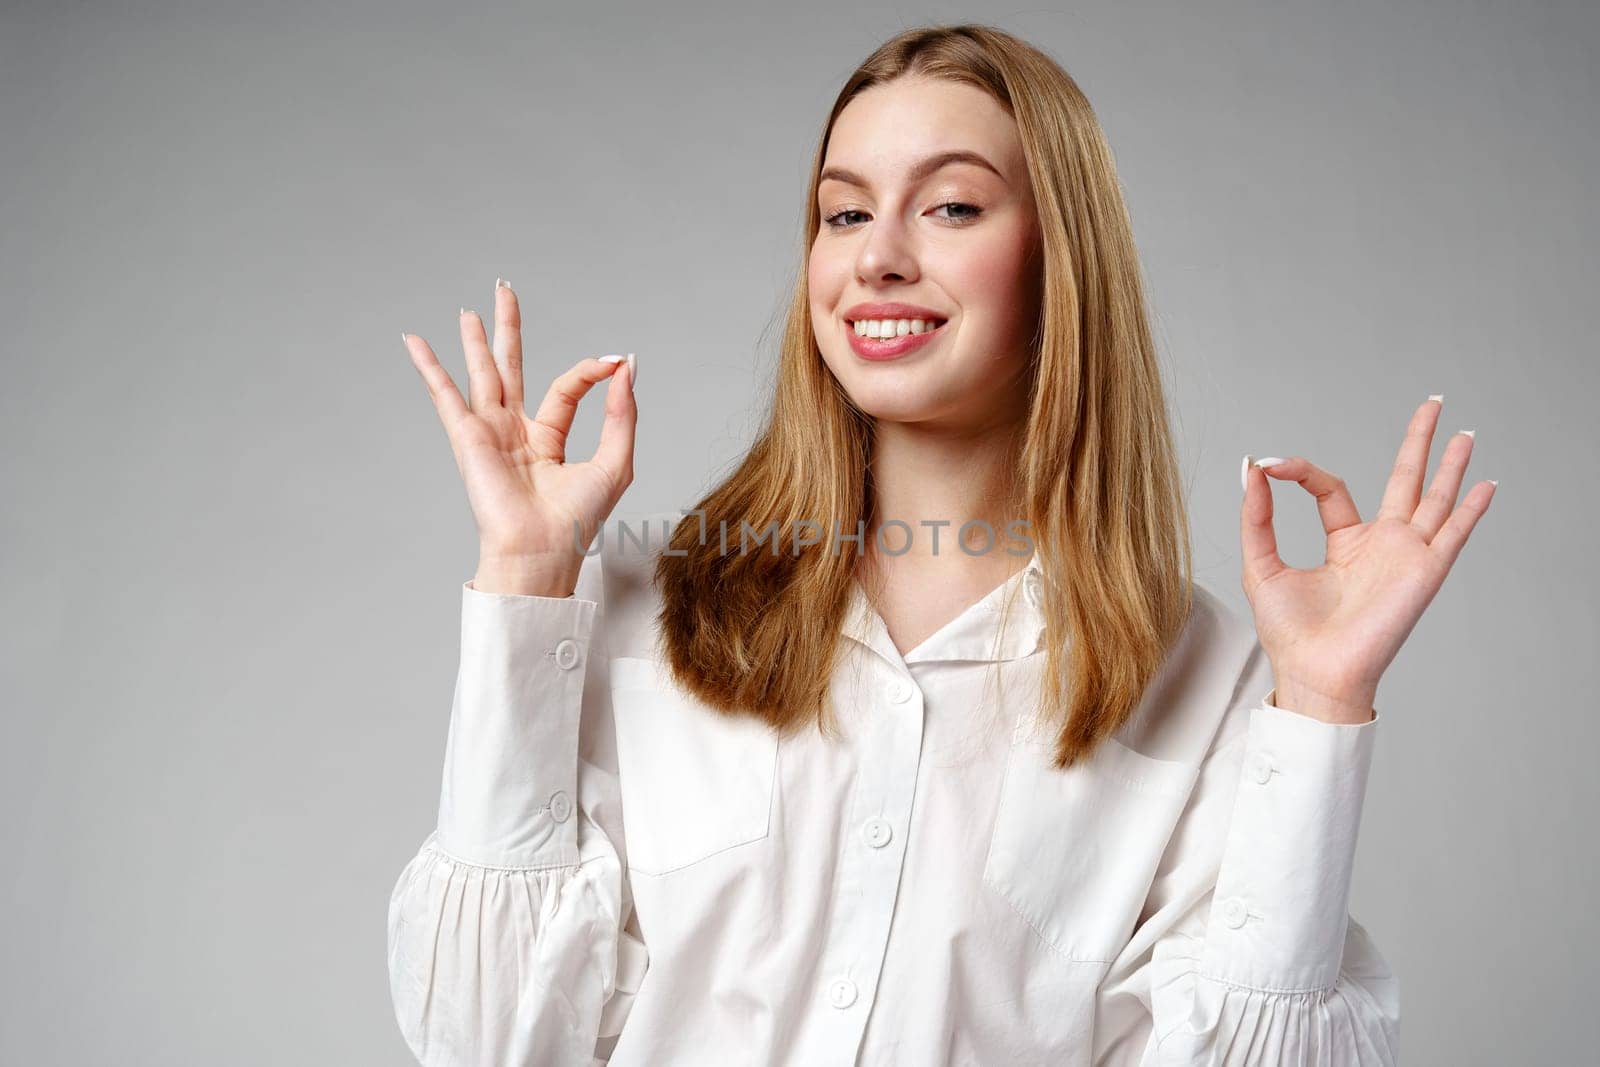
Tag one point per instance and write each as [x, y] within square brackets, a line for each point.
[758, 632]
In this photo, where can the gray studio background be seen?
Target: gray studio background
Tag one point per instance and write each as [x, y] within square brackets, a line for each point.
[233, 534]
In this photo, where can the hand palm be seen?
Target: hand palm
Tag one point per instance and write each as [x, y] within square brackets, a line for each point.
[513, 484]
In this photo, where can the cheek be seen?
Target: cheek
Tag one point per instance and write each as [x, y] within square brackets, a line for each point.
[825, 282]
[824, 278]
[995, 279]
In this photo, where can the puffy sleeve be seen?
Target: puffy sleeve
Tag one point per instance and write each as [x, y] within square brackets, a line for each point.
[506, 938]
[1245, 953]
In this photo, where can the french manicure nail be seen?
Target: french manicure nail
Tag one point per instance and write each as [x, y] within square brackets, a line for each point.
[633, 373]
[1437, 396]
[501, 283]
[1471, 433]
[1267, 461]
[612, 359]
[1494, 481]
[1244, 472]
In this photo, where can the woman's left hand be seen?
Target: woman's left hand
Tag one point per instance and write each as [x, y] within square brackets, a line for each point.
[1331, 631]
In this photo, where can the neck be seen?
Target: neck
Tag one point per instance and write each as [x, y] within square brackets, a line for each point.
[932, 476]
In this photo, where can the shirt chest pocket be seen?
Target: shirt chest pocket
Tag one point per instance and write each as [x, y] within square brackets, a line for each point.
[694, 782]
[1074, 852]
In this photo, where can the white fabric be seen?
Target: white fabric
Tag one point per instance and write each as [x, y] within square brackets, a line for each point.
[620, 873]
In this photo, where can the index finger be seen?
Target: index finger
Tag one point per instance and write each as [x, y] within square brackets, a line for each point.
[553, 420]
[1334, 502]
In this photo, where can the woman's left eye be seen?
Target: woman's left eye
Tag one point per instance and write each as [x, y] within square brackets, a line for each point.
[976, 211]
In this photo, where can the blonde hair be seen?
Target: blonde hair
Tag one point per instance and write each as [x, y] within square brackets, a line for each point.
[757, 633]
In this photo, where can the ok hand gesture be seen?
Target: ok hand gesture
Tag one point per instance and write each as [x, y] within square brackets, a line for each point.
[1331, 631]
[530, 504]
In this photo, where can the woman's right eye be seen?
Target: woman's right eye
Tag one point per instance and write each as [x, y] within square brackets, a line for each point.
[840, 214]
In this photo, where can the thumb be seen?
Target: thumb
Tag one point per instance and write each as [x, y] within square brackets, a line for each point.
[1258, 542]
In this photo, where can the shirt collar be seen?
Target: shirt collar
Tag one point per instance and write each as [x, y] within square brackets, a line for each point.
[975, 634]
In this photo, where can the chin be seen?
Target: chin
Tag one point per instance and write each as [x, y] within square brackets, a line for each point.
[891, 405]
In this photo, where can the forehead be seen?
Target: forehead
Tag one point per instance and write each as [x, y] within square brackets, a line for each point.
[887, 128]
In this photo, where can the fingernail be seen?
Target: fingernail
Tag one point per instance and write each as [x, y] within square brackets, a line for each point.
[1267, 461]
[1471, 433]
[403, 336]
[1437, 396]
[612, 359]
[501, 283]
[633, 372]
[1493, 481]
[1244, 472]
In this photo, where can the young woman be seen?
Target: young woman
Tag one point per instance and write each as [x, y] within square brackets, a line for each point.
[1025, 796]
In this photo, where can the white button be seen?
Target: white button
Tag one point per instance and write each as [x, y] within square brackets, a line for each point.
[567, 655]
[900, 691]
[560, 806]
[1033, 586]
[1233, 912]
[876, 832]
[842, 993]
[1261, 767]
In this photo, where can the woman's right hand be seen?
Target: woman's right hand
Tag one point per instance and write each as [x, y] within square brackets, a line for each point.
[530, 504]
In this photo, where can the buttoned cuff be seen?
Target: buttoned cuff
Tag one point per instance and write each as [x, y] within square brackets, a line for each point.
[1279, 912]
[508, 797]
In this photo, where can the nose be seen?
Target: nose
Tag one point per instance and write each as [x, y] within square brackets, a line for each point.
[887, 254]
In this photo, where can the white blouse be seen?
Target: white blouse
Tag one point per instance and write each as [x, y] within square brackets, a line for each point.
[621, 874]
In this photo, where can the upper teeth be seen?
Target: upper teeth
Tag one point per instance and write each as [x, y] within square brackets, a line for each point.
[893, 327]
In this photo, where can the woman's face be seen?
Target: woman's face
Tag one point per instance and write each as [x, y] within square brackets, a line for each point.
[958, 240]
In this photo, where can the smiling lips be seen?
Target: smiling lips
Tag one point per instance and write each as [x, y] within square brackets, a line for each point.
[882, 330]
[892, 347]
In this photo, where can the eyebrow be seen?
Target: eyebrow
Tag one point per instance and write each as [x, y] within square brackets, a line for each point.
[924, 168]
